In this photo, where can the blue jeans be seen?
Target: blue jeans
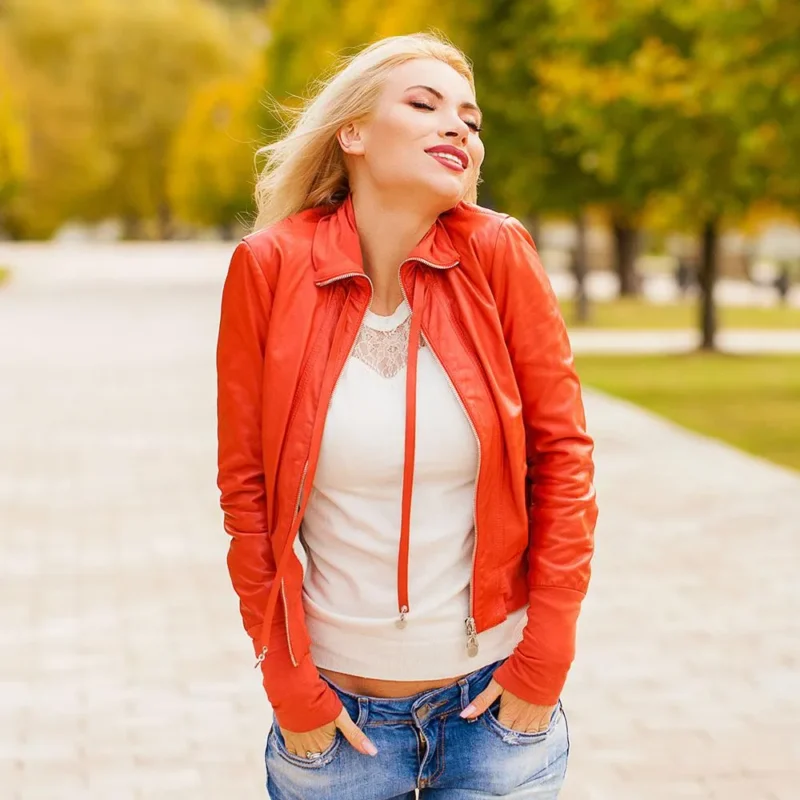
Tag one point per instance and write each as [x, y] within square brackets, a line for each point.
[422, 742]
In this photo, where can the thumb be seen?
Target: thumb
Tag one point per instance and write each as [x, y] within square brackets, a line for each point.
[482, 701]
[354, 734]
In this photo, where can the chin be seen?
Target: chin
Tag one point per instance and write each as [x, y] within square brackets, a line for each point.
[447, 192]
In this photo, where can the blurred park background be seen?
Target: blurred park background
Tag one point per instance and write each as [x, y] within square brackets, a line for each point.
[653, 151]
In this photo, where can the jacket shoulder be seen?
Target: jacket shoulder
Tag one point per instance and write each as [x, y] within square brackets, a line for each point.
[282, 241]
[476, 231]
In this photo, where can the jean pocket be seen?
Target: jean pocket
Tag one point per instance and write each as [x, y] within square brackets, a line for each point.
[510, 736]
[317, 761]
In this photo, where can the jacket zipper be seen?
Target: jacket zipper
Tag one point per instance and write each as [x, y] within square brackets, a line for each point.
[263, 654]
[283, 584]
[469, 623]
[305, 471]
[471, 631]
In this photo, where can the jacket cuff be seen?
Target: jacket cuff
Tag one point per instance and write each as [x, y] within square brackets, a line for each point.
[537, 669]
[301, 699]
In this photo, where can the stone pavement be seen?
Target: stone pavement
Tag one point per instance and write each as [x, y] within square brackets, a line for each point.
[124, 670]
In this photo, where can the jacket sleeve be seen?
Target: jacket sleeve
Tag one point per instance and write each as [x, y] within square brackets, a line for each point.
[301, 699]
[562, 509]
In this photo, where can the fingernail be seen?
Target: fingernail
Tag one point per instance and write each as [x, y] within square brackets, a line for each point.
[370, 748]
[470, 709]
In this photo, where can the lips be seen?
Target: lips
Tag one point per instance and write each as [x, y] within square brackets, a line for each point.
[453, 156]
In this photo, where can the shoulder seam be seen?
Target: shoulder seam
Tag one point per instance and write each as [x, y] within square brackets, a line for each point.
[504, 219]
[259, 267]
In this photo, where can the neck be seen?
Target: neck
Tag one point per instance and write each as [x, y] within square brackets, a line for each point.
[388, 233]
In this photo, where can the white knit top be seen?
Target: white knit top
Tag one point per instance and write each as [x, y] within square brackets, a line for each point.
[350, 532]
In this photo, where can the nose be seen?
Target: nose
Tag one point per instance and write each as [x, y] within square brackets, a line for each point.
[458, 129]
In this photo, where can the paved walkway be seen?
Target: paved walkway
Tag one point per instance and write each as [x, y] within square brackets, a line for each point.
[138, 264]
[631, 342]
[124, 671]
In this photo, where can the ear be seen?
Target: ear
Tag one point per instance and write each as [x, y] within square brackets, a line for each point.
[350, 139]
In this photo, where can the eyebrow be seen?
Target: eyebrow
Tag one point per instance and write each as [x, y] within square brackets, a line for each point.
[437, 93]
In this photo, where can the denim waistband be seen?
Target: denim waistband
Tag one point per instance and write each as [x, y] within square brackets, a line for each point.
[433, 702]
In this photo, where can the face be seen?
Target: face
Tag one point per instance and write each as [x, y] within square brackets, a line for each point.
[422, 139]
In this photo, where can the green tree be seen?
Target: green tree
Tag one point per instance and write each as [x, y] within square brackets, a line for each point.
[603, 86]
[631, 105]
[536, 162]
[723, 127]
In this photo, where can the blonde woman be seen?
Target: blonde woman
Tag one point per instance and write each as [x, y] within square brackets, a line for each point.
[404, 468]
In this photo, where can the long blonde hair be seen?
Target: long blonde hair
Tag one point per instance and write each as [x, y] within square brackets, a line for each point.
[306, 168]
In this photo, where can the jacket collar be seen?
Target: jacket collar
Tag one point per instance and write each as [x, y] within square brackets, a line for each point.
[336, 249]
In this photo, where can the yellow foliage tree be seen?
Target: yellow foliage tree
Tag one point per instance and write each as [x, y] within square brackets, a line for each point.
[108, 84]
[13, 135]
[152, 59]
[308, 38]
[67, 161]
[212, 171]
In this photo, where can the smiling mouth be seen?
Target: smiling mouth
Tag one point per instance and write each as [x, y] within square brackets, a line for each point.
[449, 161]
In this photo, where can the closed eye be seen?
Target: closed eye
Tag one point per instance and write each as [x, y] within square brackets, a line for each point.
[418, 104]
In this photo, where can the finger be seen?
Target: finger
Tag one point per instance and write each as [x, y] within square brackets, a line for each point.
[322, 739]
[315, 741]
[482, 701]
[355, 735]
[507, 715]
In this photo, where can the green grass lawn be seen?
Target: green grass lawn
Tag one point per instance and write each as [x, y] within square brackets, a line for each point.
[752, 402]
[631, 314]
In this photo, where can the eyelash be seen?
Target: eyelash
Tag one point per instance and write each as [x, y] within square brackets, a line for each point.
[473, 125]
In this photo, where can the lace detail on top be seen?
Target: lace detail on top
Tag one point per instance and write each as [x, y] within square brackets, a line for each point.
[385, 351]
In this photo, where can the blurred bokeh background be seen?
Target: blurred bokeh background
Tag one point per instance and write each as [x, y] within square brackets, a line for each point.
[653, 151]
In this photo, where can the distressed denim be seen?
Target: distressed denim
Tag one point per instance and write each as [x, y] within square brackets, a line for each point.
[422, 742]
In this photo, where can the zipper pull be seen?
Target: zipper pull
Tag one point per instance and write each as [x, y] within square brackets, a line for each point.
[401, 623]
[472, 637]
[261, 656]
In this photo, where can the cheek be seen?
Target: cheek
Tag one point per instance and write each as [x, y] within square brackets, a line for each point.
[476, 152]
[397, 132]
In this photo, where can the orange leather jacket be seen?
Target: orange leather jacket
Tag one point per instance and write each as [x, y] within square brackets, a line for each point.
[292, 304]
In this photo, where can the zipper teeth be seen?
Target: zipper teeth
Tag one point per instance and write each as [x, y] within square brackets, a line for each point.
[428, 263]
[286, 623]
[299, 501]
[303, 380]
[283, 585]
[475, 497]
[341, 277]
[406, 261]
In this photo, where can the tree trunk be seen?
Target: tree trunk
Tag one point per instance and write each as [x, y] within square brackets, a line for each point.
[580, 270]
[227, 230]
[166, 229]
[626, 238]
[131, 227]
[536, 228]
[707, 280]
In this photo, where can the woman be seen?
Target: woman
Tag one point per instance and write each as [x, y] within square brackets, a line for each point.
[403, 463]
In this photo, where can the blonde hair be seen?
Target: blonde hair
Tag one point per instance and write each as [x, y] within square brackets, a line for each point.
[306, 167]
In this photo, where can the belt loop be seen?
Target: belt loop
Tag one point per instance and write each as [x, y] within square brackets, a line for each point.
[465, 699]
[363, 710]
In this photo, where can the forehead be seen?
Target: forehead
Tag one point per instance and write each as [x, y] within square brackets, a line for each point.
[429, 72]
